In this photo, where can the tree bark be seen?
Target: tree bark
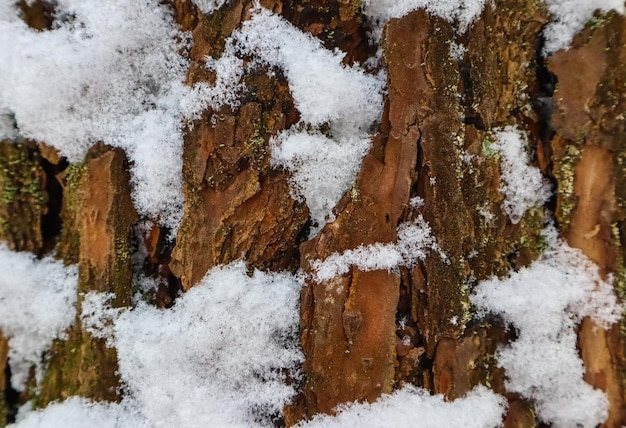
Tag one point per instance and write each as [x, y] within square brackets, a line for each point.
[238, 206]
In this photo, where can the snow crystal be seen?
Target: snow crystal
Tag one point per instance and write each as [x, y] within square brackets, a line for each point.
[414, 241]
[107, 71]
[523, 185]
[544, 302]
[410, 406]
[37, 299]
[457, 52]
[570, 17]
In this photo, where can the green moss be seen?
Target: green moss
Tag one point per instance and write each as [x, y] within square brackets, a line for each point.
[23, 197]
[74, 173]
[530, 232]
[69, 245]
[564, 172]
[597, 21]
[489, 150]
[20, 176]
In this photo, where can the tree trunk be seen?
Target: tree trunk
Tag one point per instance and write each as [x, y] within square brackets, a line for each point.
[237, 205]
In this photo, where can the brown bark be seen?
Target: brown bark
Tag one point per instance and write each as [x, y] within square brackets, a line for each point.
[438, 110]
[103, 215]
[590, 101]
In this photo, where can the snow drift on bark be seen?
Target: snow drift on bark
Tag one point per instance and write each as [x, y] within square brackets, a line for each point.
[37, 299]
[544, 303]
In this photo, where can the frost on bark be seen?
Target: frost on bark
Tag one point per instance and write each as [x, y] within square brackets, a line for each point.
[439, 109]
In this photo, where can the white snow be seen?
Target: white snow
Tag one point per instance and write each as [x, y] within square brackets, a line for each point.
[76, 412]
[322, 168]
[208, 6]
[522, 184]
[37, 299]
[480, 408]
[544, 303]
[410, 406]
[414, 242]
[462, 12]
[325, 92]
[107, 71]
[570, 17]
[97, 316]
[217, 358]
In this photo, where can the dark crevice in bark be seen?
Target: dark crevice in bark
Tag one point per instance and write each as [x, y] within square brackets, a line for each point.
[337, 25]
[543, 106]
[466, 89]
[51, 221]
[156, 266]
[11, 397]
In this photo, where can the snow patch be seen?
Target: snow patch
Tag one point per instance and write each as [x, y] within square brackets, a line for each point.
[544, 303]
[322, 168]
[326, 93]
[106, 71]
[209, 6]
[411, 406]
[77, 412]
[522, 185]
[414, 242]
[97, 316]
[37, 299]
[570, 17]
[462, 12]
[216, 358]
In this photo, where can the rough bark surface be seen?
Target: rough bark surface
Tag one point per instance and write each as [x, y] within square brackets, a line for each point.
[236, 206]
[589, 150]
[432, 142]
[103, 215]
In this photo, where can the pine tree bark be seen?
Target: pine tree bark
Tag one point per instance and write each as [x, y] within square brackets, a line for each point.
[236, 205]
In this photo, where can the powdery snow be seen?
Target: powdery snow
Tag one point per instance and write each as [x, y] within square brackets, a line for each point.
[322, 168]
[570, 17]
[462, 12]
[37, 299]
[521, 183]
[77, 412]
[415, 407]
[544, 303]
[409, 406]
[414, 242]
[208, 6]
[107, 71]
[97, 316]
[325, 92]
[217, 358]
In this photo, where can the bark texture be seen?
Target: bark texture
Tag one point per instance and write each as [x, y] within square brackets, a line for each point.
[354, 326]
